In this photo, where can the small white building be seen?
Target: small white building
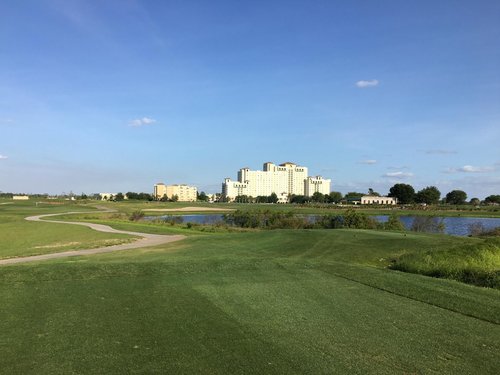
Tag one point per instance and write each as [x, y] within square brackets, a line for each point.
[372, 199]
[107, 196]
[211, 198]
[20, 197]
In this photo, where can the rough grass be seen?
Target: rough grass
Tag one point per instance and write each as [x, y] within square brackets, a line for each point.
[477, 264]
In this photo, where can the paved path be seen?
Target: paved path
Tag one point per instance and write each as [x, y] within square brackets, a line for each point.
[146, 240]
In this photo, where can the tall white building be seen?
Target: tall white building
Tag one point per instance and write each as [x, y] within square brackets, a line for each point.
[283, 180]
[316, 184]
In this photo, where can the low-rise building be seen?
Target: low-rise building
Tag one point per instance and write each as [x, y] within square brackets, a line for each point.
[106, 196]
[184, 193]
[212, 198]
[20, 197]
[373, 199]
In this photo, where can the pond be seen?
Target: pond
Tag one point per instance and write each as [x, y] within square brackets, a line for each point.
[458, 226]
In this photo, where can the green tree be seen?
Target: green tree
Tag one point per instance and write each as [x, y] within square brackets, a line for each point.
[174, 198]
[242, 199]
[335, 197]
[475, 202]
[373, 193]
[119, 197]
[273, 198]
[428, 195]
[298, 199]
[202, 196]
[318, 197]
[131, 195]
[456, 197]
[353, 195]
[492, 199]
[404, 193]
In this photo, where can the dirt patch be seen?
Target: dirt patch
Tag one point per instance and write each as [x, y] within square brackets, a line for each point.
[59, 244]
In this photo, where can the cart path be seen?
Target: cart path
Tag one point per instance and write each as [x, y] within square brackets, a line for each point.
[146, 240]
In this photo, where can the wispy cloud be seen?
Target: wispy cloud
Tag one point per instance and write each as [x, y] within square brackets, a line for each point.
[400, 167]
[368, 161]
[141, 122]
[3, 157]
[470, 169]
[398, 175]
[440, 152]
[367, 83]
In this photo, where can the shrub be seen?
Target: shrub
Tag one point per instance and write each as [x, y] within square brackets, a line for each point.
[136, 216]
[476, 229]
[330, 222]
[394, 223]
[173, 220]
[428, 224]
[358, 220]
[266, 219]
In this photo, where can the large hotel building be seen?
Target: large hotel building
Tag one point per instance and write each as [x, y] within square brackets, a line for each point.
[283, 180]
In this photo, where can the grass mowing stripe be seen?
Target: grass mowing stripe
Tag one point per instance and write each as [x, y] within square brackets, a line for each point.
[435, 292]
[416, 299]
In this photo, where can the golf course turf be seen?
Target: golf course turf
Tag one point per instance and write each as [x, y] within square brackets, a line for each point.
[278, 302]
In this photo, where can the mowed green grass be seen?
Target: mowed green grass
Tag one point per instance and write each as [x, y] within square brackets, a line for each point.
[19, 237]
[270, 302]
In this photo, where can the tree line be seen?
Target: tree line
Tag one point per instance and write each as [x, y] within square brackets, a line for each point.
[406, 194]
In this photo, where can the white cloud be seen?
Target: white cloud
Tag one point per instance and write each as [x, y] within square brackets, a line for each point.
[367, 83]
[369, 161]
[400, 167]
[399, 175]
[470, 169]
[142, 121]
[3, 157]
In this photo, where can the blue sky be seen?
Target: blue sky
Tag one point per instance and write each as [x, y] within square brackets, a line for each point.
[118, 95]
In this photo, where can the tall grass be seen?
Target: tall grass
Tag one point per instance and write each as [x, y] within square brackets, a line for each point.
[477, 264]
